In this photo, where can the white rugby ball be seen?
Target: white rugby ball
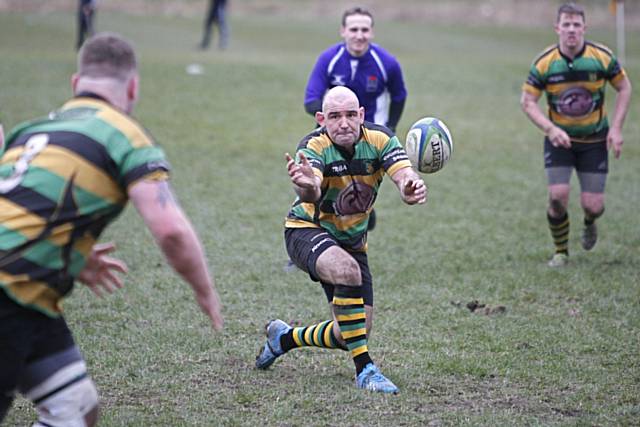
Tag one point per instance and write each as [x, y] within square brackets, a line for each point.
[429, 145]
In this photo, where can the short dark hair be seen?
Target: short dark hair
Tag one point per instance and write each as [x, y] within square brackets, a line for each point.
[356, 11]
[570, 8]
[107, 55]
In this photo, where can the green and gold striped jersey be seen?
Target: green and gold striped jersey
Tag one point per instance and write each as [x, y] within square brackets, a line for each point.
[62, 180]
[575, 88]
[350, 183]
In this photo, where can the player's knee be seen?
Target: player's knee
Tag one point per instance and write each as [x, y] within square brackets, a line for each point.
[556, 206]
[593, 204]
[348, 272]
[67, 398]
[593, 212]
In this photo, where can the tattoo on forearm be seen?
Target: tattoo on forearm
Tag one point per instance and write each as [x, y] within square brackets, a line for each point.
[165, 195]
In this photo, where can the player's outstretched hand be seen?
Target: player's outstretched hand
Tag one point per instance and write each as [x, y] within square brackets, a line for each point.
[99, 272]
[301, 173]
[414, 191]
[211, 306]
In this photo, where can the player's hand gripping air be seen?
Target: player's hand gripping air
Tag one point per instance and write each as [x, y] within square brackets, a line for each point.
[99, 272]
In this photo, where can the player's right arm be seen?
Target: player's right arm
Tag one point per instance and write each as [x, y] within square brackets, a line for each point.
[178, 241]
[306, 184]
[557, 136]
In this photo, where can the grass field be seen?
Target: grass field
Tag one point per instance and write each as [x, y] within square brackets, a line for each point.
[565, 352]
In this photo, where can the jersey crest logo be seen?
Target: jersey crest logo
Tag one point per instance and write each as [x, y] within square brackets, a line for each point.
[575, 102]
[356, 198]
[372, 83]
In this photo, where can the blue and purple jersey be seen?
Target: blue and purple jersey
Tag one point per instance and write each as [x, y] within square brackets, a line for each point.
[375, 77]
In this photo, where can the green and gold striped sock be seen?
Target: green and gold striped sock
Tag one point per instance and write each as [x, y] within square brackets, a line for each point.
[560, 232]
[349, 309]
[318, 335]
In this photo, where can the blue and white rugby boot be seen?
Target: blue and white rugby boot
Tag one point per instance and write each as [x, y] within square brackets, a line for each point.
[372, 379]
[272, 349]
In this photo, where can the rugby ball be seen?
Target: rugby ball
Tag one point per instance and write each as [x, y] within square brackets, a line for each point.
[429, 145]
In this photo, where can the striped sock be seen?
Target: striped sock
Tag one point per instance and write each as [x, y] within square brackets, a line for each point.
[351, 316]
[560, 232]
[318, 335]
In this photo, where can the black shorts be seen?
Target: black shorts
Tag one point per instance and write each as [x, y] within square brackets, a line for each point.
[27, 336]
[584, 157]
[304, 246]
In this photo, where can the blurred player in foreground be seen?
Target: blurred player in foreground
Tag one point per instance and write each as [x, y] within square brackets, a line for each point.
[63, 179]
[573, 73]
[336, 178]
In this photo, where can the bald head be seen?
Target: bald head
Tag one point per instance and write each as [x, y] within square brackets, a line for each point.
[342, 116]
[339, 96]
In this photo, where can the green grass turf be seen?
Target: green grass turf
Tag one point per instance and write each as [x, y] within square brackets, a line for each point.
[565, 352]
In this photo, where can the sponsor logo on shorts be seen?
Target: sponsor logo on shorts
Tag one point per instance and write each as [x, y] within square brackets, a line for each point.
[321, 242]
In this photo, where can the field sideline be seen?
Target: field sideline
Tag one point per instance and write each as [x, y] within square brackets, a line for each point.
[565, 351]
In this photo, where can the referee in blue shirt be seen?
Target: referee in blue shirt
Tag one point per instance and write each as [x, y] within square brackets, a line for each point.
[371, 72]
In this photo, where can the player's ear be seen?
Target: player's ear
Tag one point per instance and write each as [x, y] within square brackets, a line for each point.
[319, 118]
[74, 82]
[361, 114]
[132, 88]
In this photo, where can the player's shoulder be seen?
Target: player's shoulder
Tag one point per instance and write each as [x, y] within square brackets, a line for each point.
[383, 53]
[317, 140]
[332, 51]
[376, 128]
[547, 53]
[377, 135]
[598, 48]
[124, 127]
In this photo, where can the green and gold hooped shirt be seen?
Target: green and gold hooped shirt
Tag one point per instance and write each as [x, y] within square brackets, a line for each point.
[575, 88]
[350, 183]
[62, 181]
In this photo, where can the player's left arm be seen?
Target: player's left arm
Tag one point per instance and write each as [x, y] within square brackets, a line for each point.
[178, 241]
[623, 99]
[412, 188]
